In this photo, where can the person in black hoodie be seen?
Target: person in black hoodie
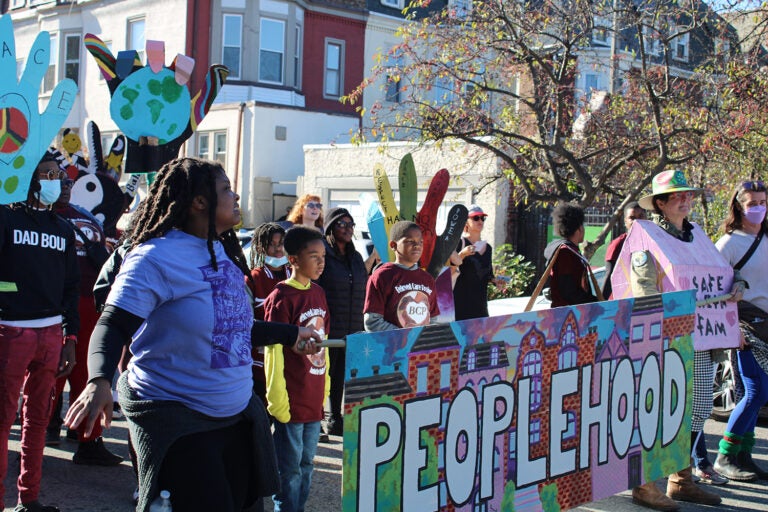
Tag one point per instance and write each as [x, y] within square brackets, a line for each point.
[569, 279]
[344, 280]
[39, 322]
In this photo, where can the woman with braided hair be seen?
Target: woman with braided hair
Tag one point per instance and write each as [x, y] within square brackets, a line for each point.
[180, 303]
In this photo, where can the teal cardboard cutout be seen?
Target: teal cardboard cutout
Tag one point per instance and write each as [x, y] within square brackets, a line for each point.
[152, 104]
[25, 133]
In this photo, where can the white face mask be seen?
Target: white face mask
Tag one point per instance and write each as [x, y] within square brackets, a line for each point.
[275, 262]
[50, 190]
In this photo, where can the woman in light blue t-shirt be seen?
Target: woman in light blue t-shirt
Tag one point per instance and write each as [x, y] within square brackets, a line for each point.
[180, 303]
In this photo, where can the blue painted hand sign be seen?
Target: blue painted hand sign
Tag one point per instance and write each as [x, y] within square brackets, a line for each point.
[25, 133]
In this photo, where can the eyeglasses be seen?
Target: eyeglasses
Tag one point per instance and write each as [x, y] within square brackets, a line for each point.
[681, 195]
[311, 204]
[343, 224]
[479, 218]
[753, 186]
[54, 175]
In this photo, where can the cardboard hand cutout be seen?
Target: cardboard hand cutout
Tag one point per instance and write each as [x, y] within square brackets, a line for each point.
[25, 133]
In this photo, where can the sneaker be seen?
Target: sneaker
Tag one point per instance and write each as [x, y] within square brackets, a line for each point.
[324, 438]
[52, 437]
[709, 476]
[35, 506]
[94, 453]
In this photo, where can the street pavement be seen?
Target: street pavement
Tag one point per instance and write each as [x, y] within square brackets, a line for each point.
[93, 489]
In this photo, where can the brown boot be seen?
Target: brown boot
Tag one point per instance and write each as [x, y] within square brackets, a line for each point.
[680, 486]
[648, 495]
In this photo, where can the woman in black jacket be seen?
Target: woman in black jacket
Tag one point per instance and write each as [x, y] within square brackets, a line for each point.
[343, 279]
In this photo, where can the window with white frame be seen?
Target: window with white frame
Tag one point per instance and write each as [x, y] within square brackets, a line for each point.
[271, 50]
[681, 47]
[213, 146]
[136, 36]
[460, 8]
[722, 46]
[397, 4]
[15, 4]
[297, 59]
[601, 32]
[651, 40]
[393, 85]
[334, 68]
[232, 43]
[591, 83]
[51, 75]
[72, 57]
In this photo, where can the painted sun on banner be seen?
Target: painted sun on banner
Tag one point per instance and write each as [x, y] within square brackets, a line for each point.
[543, 410]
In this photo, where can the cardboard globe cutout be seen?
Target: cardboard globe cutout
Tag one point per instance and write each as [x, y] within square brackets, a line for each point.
[25, 133]
[682, 266]
[152, 104]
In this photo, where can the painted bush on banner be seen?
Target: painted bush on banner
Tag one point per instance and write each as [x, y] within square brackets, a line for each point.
[548, 409]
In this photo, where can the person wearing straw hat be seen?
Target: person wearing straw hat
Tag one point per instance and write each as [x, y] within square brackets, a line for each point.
[670, 203]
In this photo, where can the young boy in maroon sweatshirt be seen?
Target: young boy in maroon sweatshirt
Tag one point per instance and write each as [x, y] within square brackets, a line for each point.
[297, 385]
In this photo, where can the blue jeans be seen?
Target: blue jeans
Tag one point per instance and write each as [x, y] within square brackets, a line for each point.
[295, 445]
[744, 416]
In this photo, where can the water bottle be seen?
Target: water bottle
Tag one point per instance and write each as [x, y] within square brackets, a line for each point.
[162, 503]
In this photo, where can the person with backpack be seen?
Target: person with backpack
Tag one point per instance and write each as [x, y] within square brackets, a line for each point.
[569, 277]
[745, 247]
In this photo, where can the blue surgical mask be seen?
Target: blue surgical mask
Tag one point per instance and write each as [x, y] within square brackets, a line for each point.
[50, 190]
[275, 262]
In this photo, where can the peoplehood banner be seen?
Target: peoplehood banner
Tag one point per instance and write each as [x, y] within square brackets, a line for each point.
[541, 410]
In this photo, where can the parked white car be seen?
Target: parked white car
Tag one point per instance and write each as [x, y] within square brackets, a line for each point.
[513, 305]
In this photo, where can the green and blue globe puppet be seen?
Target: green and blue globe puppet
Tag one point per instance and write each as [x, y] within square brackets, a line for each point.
[152, 104]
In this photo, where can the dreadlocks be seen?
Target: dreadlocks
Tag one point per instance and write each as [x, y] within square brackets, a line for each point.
[262, 237]
[166, 207]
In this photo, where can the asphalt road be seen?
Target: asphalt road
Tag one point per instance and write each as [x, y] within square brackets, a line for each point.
[92, 489]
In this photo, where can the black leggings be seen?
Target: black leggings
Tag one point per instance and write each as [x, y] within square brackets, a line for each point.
[209, 470]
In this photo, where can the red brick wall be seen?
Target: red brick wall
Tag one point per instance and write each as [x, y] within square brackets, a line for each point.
[317, 27]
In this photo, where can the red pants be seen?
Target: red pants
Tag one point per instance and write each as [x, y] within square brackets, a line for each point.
[79, 376]
[29, 357]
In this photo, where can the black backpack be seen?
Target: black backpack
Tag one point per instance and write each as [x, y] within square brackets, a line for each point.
[107, 275]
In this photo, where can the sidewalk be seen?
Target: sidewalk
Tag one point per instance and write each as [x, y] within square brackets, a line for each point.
[94, 489]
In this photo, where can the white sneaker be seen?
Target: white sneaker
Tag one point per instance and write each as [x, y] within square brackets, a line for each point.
[709, 476]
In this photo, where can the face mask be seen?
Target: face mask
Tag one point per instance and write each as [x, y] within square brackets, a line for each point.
[50, 190]
[754, 214]
[275, 262]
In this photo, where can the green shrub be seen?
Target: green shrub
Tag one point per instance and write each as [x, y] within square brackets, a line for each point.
[516, 272]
